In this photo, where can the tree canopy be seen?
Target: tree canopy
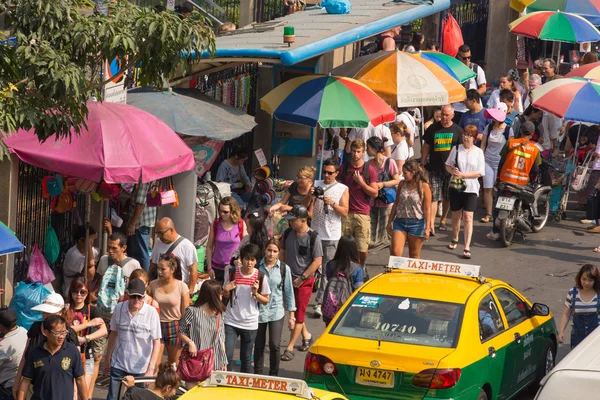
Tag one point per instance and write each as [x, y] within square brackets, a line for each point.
[55, 65]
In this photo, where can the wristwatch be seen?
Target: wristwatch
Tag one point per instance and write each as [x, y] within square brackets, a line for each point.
[303, 278]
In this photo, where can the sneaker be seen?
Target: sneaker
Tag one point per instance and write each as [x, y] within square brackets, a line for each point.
[586, 221]
[493, 236]
[317, 311]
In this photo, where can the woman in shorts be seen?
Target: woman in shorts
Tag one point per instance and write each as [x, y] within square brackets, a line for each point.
[411, 211]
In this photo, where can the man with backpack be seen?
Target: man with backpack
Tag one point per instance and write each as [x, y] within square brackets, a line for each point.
[170, 242]
[302, 251]
[478, 82]
[361, 180]
[115, 269]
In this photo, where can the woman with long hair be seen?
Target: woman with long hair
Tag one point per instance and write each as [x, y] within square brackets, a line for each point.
[202, 325]
[435, 117]
[583, 303]
[173, 297]
[506, 81]
[299, 192]
[388, 177]
[85, 319]
[224, 238]
[400, 150]
[345, 262]
[257, 233]
[272, 315]
[411, 212]
[164, 387]
[466, 162]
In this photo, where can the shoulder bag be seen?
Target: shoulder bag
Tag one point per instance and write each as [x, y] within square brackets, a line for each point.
[199, 368]
[458, 185]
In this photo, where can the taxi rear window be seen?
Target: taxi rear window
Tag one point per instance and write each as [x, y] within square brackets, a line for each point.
[401, 320]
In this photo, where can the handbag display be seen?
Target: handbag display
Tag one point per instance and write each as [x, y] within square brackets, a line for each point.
[199, 368]
[457, 184]
[582, 173]
[158, 197]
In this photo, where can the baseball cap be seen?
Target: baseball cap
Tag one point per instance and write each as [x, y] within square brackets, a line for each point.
[498, 113]
[528, 127]
[8, 317]
[296, 212]
[136, 287]
[52, 304]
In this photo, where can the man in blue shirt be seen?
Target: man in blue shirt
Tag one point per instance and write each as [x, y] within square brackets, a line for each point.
[474, 116]
[53, 365]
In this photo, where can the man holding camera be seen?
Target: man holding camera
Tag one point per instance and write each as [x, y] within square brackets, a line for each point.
[327, 210]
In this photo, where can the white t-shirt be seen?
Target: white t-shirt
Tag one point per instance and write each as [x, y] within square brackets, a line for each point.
[73, 265]
[550, 128]
[381, 131]
[494, 100]
[242, 311]
[134, 341]
[185, 251]
[12, 347]
[400, 151]
[411, 125]
[131, 266]
[328, 226]
[472, 83]
[468, 161]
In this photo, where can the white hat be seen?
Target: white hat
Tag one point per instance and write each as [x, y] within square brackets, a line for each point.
[52, 304]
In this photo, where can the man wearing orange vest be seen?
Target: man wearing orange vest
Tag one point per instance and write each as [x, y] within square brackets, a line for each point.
[520, 161]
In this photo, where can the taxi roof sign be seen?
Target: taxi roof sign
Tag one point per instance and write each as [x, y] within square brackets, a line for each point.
[438, 267]
[294, 387]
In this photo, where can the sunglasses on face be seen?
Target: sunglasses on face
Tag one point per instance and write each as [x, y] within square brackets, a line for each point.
[329, 172]
[161, 233]
[80, 292]
[135, 297]
[465, 57]
[59, 334]
[224, 212]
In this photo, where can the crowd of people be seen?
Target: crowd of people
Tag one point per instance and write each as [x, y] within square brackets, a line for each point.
[126, 308]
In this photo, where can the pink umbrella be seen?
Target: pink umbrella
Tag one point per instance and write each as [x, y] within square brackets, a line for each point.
[121, 145]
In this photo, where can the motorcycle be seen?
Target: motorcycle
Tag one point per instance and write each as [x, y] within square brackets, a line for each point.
[517, 214]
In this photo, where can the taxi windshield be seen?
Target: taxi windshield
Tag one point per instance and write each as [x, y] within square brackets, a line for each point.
[401, 320]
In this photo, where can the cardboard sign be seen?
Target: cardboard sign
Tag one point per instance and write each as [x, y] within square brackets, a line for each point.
[268, 383]
[260, 156]
[438, 267]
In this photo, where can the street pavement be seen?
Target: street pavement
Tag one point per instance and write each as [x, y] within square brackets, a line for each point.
[543, 269]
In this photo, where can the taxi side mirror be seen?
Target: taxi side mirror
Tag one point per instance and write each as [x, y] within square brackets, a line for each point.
[540, 310]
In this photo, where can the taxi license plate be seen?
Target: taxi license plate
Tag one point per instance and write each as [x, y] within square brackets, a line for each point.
[506, 203]
[375, 377]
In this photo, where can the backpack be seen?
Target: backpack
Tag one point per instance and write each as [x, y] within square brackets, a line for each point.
[365, 172]
[505, 132]
[386, 195]
[227, 300]
[373, 47]
[337, 291]
[112, 286]
[313, 237]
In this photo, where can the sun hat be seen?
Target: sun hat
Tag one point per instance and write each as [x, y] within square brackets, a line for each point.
[498, 113]
[52, 304]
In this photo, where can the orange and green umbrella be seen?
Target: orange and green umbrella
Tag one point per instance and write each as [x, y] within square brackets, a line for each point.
[555, 26]
[406, 79]
[331, 101]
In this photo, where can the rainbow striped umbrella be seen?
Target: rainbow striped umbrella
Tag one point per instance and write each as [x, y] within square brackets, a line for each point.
[589, 9]
[590, 71]
[331, 101]
[405, 79]
[555, 26]
[457, 69]
[573, 99]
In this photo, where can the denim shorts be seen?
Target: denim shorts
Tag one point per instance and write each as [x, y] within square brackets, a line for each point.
[412, 226]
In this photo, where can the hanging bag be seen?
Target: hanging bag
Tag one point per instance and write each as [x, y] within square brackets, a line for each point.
[458, 185]
[198, 368]
[52, 247]
[157, 196]
[452, 37]
[39, 270]
[386, 195]
[582, 173]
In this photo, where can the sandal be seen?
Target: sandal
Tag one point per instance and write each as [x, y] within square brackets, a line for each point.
[442, 227]
[467, 254]
[287, 355]
[306, 343]
[431, 232]
[486, 219]
[453, 244]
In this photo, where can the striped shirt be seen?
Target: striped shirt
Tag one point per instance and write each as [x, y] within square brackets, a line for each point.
[580, 305]
[201, 328]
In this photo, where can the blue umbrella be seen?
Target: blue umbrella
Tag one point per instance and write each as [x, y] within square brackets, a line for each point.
[8, 241]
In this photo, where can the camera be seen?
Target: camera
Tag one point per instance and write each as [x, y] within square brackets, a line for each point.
[318, 192]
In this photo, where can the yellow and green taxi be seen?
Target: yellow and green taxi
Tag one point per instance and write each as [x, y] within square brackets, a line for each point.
[433, 330]
[233, 385]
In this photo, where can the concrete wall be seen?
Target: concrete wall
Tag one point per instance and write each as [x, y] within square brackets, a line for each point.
[501, 46]
[9, 169]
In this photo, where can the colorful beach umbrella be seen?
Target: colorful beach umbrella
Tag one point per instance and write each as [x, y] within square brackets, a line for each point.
[589, 9]
[573, 99]
[590, 71]
[8, 241]
[331, 101]
[555, 26]
[453, 66]
[405, 79]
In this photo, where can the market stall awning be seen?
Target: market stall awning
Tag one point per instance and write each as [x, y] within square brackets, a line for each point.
[317, 32]
[8, 241]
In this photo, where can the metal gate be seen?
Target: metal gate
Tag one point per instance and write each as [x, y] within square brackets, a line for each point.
[33, 218]
[472, 16]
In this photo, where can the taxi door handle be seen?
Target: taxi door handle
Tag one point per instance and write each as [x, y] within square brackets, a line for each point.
[517, 337]
[492, 352]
